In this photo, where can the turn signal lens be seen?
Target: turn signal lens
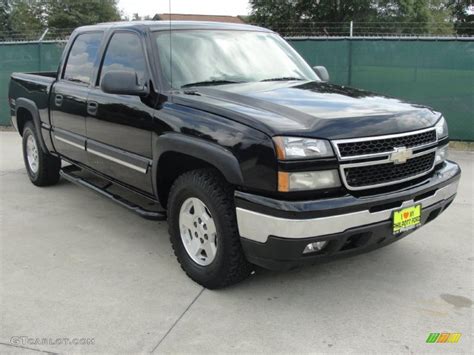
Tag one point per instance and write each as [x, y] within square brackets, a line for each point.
[283, 181]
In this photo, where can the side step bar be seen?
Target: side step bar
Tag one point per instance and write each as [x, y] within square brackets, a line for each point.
[68, 174]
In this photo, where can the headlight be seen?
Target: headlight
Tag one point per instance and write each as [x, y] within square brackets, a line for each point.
[290, 148]
[441, 128]
[441, 154]
[308, 180]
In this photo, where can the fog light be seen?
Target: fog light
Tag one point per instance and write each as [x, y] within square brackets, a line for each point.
[314, 247]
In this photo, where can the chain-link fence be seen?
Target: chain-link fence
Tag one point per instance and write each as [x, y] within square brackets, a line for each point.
[294, 29]
[48, 34]
[365, 29]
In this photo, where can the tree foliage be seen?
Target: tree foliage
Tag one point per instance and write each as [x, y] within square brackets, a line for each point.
[287, 13]
[418, 16]
[4, 17]
[28, 18]
[369, 16]
[73, 13]
[464, 21]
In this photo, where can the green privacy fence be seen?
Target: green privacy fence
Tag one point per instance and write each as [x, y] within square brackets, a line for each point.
[24, 57]
[437, 73]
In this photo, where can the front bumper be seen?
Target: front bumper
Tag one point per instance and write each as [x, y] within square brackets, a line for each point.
[274, 233]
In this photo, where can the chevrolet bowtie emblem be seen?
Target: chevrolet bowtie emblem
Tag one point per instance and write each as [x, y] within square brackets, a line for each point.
[400, 155]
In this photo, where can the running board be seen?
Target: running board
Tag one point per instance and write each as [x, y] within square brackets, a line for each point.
[68, 174]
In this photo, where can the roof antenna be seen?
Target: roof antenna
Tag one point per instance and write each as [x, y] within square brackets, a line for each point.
[171, 47]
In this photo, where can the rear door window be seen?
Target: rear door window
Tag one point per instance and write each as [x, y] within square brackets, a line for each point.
[82, 56]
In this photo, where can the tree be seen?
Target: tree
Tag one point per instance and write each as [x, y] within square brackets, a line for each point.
[441, 18]
[4, 19]
[464, 20]
[417, 16]
[137, 17]
[332, 17]
[310, 15]
[26, 19]
[68, 14]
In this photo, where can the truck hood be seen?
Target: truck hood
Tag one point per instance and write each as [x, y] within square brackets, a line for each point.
[311, 109]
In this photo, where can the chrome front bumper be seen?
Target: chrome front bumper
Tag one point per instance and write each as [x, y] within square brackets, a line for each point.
[258, 227]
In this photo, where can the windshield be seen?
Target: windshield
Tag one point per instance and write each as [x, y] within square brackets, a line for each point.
[202, 57]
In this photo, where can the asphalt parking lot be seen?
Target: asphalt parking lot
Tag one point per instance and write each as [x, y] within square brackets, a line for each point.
[75, 265]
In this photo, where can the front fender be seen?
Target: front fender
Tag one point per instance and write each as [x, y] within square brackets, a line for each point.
[216, 155]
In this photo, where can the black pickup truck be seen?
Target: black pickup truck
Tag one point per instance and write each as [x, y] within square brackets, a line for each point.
[252, 156]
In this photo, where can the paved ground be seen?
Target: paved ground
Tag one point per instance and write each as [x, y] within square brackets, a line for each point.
[76, 265]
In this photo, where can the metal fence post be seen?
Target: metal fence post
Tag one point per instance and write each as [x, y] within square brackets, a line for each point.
[40, 41]
[349, 56]
[349, 63]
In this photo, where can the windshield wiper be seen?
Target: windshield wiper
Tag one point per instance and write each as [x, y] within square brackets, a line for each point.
[283, 78]
[211, 82]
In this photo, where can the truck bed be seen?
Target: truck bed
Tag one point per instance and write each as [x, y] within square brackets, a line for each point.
[35, 87]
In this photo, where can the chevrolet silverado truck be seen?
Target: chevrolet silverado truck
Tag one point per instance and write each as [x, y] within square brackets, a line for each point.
[252, 156]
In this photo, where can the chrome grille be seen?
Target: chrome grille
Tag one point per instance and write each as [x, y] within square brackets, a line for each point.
[389, 172]
[377, 145]
[372, 162]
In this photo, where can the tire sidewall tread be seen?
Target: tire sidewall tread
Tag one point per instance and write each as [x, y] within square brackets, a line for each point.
[48, 165]
[229, 265]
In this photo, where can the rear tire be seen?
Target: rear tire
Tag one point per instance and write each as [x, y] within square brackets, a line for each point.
[226, 263]
[42, 168]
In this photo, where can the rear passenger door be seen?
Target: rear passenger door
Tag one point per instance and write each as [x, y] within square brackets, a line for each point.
[119, 126]
[69, 96]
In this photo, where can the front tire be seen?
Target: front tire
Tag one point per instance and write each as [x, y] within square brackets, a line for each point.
[42, 168]
[203, 229]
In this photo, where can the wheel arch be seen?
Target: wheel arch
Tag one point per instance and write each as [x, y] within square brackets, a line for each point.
[25, 111]
[175, 154]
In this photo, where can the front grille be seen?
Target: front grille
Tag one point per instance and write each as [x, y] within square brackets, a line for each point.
[378, 174]
[365, 147]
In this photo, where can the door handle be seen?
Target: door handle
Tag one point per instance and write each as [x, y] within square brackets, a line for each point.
[58, 100]
[92, 108]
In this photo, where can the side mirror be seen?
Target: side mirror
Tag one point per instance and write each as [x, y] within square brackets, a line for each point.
[322, 72]
[122, 83]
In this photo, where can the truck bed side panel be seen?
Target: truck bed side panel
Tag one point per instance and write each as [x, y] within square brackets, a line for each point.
[34, 89]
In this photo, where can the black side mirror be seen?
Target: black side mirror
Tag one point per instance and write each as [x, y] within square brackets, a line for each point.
[322, 72]
[122, 83]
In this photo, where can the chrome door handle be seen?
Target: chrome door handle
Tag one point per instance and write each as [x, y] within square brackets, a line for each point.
[92, 107]
[58, 100]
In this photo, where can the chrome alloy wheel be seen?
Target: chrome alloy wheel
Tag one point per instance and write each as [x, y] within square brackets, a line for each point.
[32, 154]
[198, 231]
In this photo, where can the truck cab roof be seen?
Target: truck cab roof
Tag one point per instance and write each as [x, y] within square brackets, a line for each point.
[175, 25]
